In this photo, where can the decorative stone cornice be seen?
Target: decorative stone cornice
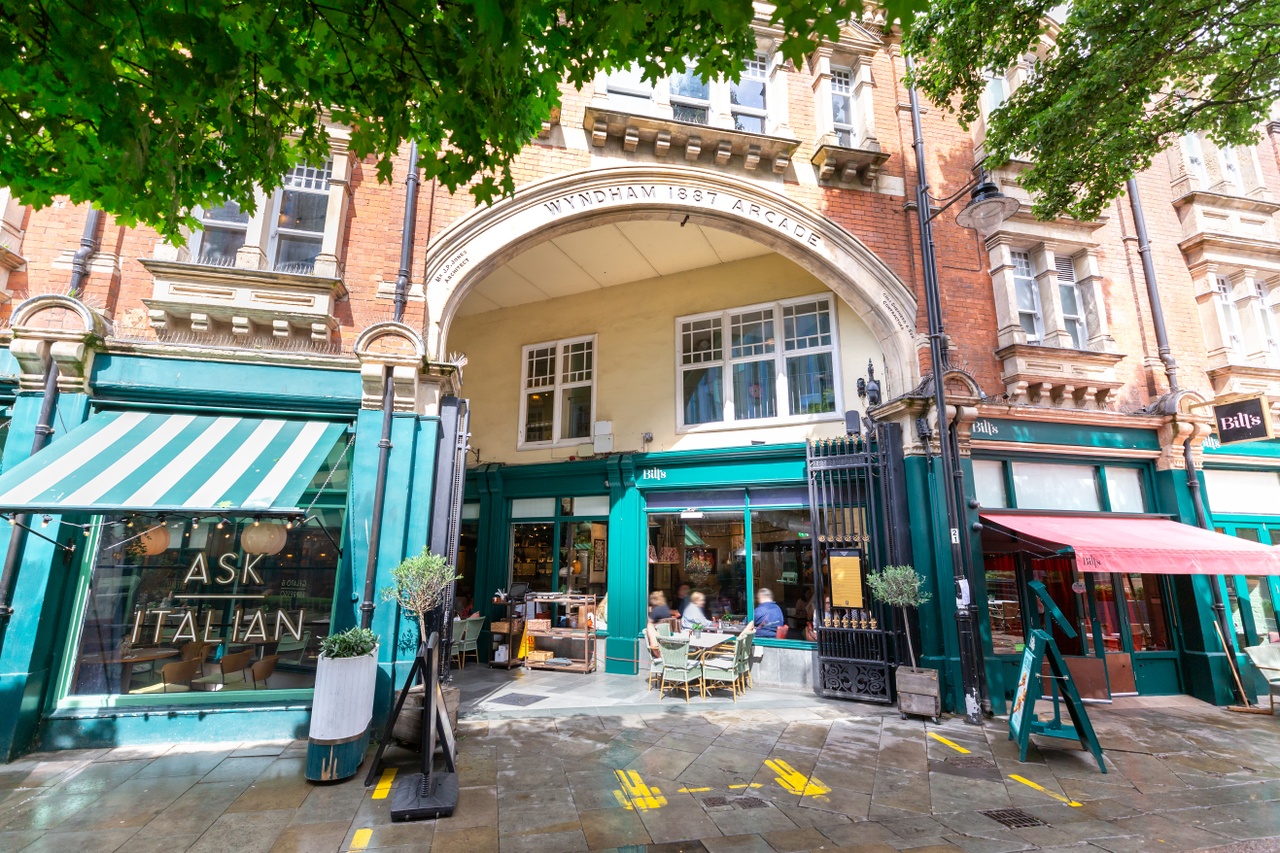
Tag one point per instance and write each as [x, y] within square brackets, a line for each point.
[220, 300]
[1059, 378]
[61, 328]
[397, 350]
[1247, 204]
[848, 164]
[687, 141]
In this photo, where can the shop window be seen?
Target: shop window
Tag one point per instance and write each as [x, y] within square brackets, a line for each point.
[1045, 485]
[714, 498]
[584, 552]
[747, 96]
[1003, 605]
[1124, 489]
[465, 588]
[765, 381]
[1242, 492]
[558, 402]
[988, 483]
[1148, 619]
[1263, 610]
[706, 551]
[533, 559]
[782, 562]
[1058, 575]
[170, 604]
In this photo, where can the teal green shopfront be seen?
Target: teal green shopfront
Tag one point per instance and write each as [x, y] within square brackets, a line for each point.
[205, 505]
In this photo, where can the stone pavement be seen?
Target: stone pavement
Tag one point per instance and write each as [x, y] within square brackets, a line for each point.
[697, 779]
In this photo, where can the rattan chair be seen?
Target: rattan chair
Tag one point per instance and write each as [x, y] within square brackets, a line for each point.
[724, 669]
[230, 671]
[174, 678]
[676, 666]
[468, 643]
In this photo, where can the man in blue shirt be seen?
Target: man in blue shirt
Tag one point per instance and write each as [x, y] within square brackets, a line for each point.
[768, 614]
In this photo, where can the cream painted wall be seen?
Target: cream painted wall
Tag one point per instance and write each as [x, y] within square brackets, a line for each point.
[636, 355]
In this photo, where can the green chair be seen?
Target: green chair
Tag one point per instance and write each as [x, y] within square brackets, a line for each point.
[748, 640]
[663, 628]
[676, 666]
[655, 658]
[468, 643]
[724, 669]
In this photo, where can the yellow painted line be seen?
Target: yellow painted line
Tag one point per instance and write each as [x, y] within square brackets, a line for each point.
[795, 782]
[957, 747]
[384, 784]
[740, 787]
[635, 795]
[695, 790]
[1045, 790]
[360, 840]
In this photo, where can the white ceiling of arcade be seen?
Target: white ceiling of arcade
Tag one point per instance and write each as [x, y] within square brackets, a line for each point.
[605, 256]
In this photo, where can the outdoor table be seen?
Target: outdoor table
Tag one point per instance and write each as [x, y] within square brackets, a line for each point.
[705, 643]
[126, 662]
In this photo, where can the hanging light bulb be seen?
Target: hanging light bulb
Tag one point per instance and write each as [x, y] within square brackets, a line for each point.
[221, 523]
[87, 528]
[195, 522]
[130, 522]
[44, 521]
[257, 522]
[13, 519]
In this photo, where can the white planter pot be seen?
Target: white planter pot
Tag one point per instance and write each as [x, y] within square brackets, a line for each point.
[341, 710]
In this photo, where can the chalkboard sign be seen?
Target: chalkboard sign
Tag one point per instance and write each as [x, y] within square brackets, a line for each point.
[1028, 690]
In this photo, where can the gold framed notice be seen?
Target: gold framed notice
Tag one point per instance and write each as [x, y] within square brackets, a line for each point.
[846, 579]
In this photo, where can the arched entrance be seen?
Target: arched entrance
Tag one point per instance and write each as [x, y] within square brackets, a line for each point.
[478, 244]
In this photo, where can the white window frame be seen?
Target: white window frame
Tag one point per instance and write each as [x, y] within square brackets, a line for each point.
[1229, 160]
[1267, 320]
[996, 91]
[1228, 314]
[1066, 269]
[842, 86]
[1015, 277]
[726, 361]
[689, 102]
[302, 174]
[756, 70]
[196, 243]
[557, 387]
[629, 83]
[1194, 148]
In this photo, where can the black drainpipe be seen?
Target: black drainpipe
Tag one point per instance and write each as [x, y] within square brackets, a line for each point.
[44, 423]
[1171, 404]
[388, 391]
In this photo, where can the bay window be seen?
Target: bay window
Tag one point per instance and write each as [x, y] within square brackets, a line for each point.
[557, 404]
[1228, 317]
[302, 203]
[767, 378]
[1069, 294]
[690, 97]
[842, 106]
[222, 234]
[1028, 297]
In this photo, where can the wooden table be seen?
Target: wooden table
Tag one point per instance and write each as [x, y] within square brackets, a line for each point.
[126, 662]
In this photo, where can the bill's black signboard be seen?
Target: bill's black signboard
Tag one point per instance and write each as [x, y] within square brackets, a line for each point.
[1243, 420]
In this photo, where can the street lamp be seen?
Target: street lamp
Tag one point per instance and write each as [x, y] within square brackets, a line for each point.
[987, 208]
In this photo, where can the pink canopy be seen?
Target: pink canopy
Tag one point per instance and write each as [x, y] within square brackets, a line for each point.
[1144, 545]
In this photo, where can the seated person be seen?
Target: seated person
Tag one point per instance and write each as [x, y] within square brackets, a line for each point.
[693, 614]
[769, 616]
[658, 609]
[462, 607]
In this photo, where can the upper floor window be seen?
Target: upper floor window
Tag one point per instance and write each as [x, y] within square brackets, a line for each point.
[222, 234]
[747, 97]
[1228, 315]
[557, 401]
[690, 97]
[627, 87]
[1267, 318]
[842, 115]
[1028, 297]
[997, 91]
[1195, 157]
[735, 366]
[1069, 294]
[303, 203]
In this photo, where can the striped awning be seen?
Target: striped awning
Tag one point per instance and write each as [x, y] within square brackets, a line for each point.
[173, 463]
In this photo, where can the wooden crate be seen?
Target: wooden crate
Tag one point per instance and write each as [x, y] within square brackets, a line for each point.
[500, 627]
[538, 624]
[538, 656]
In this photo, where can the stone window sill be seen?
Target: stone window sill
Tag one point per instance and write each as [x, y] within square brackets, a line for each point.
[1061, 378]
[692, 141]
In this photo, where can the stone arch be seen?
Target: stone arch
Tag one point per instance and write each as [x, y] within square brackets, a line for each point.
[478, 244]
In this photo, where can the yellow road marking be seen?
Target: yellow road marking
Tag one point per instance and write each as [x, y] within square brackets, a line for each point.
[957, 747]
[635, 794]
[695, 790]
[795, 782]
[1045, 790]
[384, 784]
[740, 787]
[360, 840]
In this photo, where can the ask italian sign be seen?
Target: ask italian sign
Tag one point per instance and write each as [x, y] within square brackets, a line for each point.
[1243, 420]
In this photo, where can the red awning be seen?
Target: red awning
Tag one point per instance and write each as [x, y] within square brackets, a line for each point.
[1145, 545]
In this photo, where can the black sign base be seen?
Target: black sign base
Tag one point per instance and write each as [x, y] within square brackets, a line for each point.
[409, 803]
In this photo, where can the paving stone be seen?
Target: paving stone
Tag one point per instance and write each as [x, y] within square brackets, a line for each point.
[311, 837]
[476, 839]
[94, 841]
[739, 844]
[612, 828]
[250, 832]
[792, 840]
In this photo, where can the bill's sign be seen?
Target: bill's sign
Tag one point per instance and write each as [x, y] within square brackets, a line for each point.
[1243, 420]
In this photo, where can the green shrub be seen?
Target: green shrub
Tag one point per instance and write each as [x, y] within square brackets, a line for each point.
[351, 643]
[421, 584]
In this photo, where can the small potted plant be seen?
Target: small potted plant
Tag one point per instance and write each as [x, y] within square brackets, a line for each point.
[918, 689]
[421, 583]
[342, 704]
[696, 629]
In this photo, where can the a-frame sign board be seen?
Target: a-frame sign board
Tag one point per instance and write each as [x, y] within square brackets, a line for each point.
[1023, 722]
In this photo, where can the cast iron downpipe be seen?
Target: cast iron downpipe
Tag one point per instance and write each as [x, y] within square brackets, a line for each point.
[388, 391]
[44, 423]
[970, 661]
[1171, 371]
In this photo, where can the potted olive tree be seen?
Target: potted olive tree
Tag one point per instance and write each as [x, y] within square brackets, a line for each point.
[421, 583]
[918, 689]
[342, 704]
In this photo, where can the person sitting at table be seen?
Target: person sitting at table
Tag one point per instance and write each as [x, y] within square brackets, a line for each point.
[461, 607]
[693, 614]
[658, 609]
[769, 615]
[682, 598]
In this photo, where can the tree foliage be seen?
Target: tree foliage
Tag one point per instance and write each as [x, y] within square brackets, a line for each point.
[1122, 81]
[421, 584]
[149, 107]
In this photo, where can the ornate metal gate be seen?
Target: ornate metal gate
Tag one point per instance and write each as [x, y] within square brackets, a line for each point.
[858, 510]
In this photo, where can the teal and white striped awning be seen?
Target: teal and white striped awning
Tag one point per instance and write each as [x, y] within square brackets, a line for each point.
[183, 463]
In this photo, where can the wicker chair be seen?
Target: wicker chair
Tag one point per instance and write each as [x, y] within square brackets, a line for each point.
[677, 668]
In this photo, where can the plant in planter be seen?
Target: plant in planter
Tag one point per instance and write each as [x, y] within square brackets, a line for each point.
[421, 583]
[918, 689]
[342, 704]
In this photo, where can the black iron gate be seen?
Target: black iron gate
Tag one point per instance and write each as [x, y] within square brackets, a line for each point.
[858, 509]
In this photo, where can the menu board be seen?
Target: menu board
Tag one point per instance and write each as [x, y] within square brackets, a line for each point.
[846, 580]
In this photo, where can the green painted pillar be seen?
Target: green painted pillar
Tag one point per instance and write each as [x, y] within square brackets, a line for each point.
[628, 569]
[38, 624]
[991, 664]
[1206, 674]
